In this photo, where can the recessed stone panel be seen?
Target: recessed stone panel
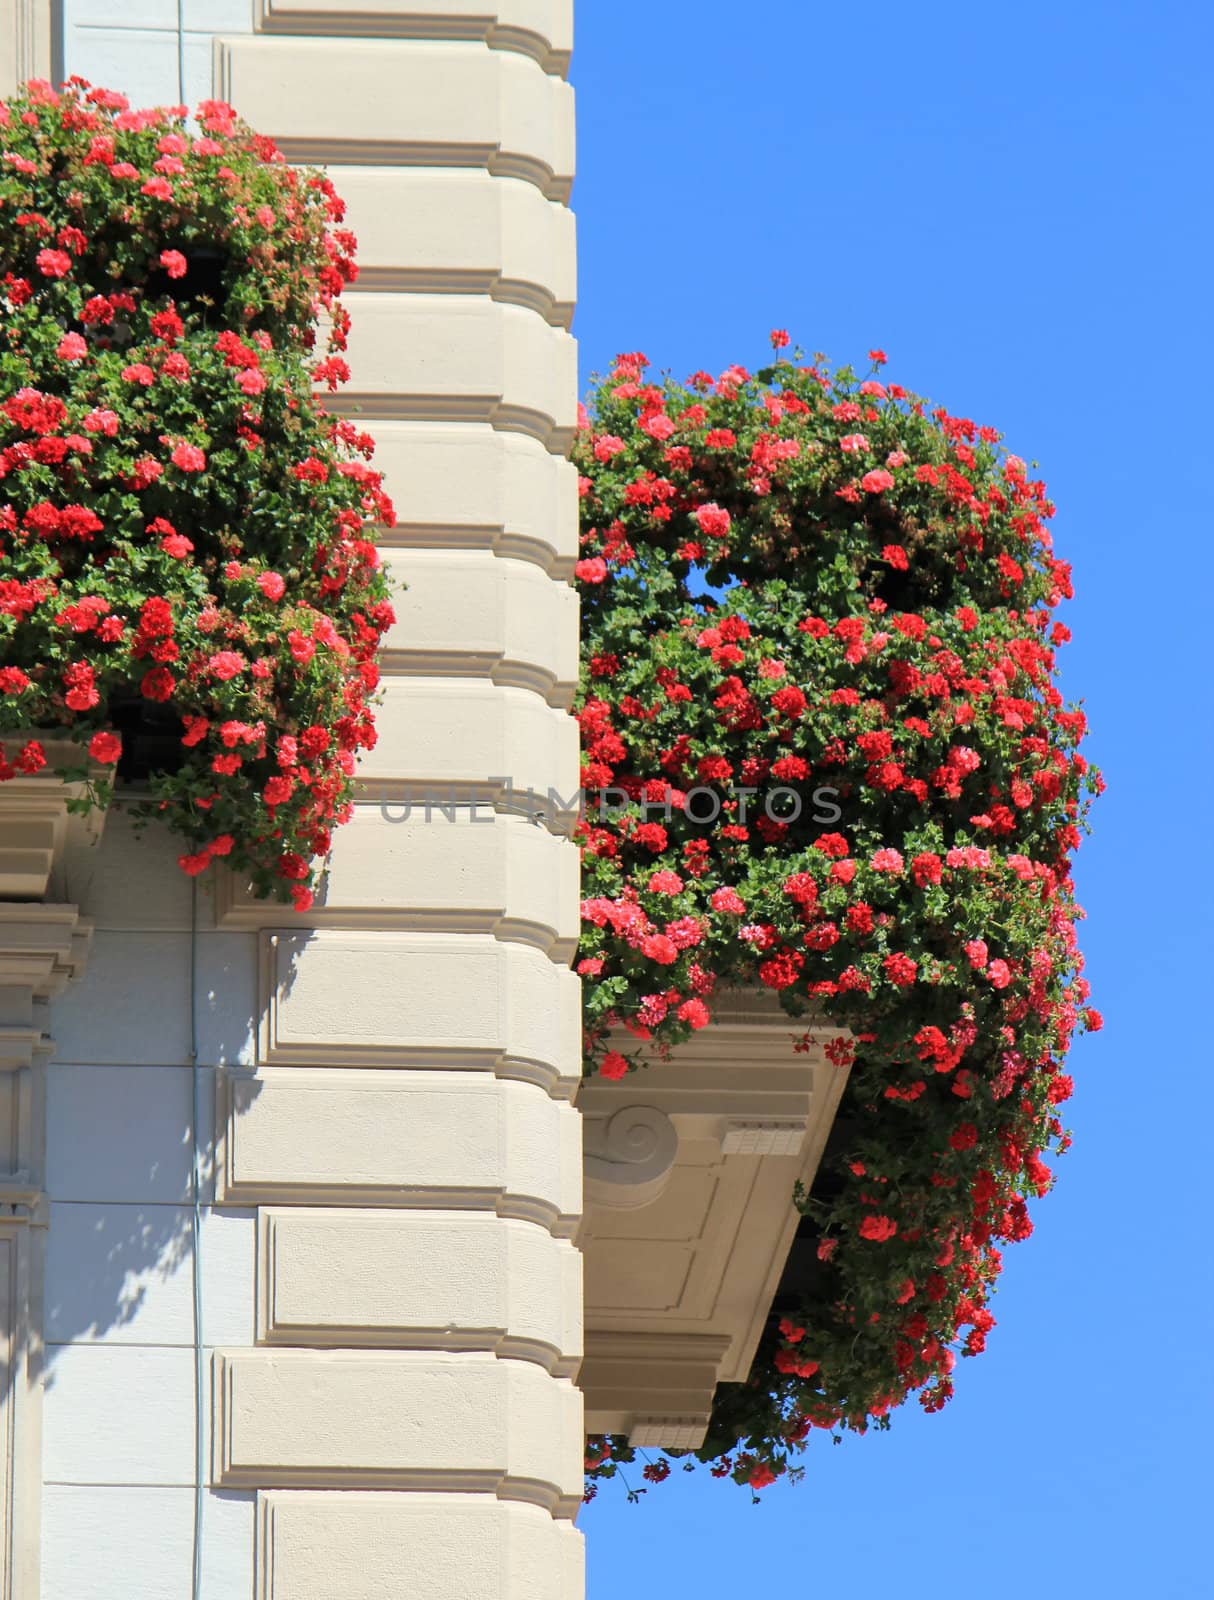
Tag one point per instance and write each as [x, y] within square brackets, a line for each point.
[404, 999]
[123, 1274]
[133, 1542]
[315, 1546]
[437, 1280]
[119, 1414]
[132, 1006]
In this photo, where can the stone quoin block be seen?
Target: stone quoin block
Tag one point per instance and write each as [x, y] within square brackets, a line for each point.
[460, 358]
[315, 1545]
[392, 867]
[458, 741]
[416, 1139]
[418, 999]
[460, 231]
[439, 1280]
[468, 486]
[465, 613]
[396, 102]
[365, 1419]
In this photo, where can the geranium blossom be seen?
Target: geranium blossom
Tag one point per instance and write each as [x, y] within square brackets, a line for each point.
[176, 543]
[881, 643]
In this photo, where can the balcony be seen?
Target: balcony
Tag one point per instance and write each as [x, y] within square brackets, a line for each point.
[690, 1168]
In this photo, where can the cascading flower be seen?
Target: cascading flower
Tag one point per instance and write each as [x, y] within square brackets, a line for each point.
[186, 537]
[819, 646]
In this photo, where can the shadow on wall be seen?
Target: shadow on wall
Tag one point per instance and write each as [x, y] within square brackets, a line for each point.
[120, 1107]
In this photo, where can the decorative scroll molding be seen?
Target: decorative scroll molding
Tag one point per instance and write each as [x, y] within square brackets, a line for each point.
[629, 1157]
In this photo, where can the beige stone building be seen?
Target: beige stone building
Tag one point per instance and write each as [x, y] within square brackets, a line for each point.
[302, 1296]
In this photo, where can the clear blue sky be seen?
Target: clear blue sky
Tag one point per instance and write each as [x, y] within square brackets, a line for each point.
[1014, 202]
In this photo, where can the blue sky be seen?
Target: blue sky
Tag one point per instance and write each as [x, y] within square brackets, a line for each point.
[1014, 203]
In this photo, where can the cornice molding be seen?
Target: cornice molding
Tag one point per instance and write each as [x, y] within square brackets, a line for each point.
[38, 832]
[484, 22]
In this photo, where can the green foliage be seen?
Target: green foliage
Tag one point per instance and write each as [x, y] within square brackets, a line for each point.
[185, 535]
[819, 672]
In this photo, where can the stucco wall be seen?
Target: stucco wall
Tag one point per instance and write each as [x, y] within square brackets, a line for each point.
[391, 1296]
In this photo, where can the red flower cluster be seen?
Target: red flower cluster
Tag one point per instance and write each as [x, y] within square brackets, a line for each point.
[184, 534]
[820, 668]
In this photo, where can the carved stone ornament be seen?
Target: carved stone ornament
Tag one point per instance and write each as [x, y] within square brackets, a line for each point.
[629, 1157]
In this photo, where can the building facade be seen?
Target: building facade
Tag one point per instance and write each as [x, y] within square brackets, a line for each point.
[294, 1257]
[362, 1340]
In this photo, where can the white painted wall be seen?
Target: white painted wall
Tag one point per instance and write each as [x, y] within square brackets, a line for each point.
[137, 1544]
[119, 1402]
[131, 45]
